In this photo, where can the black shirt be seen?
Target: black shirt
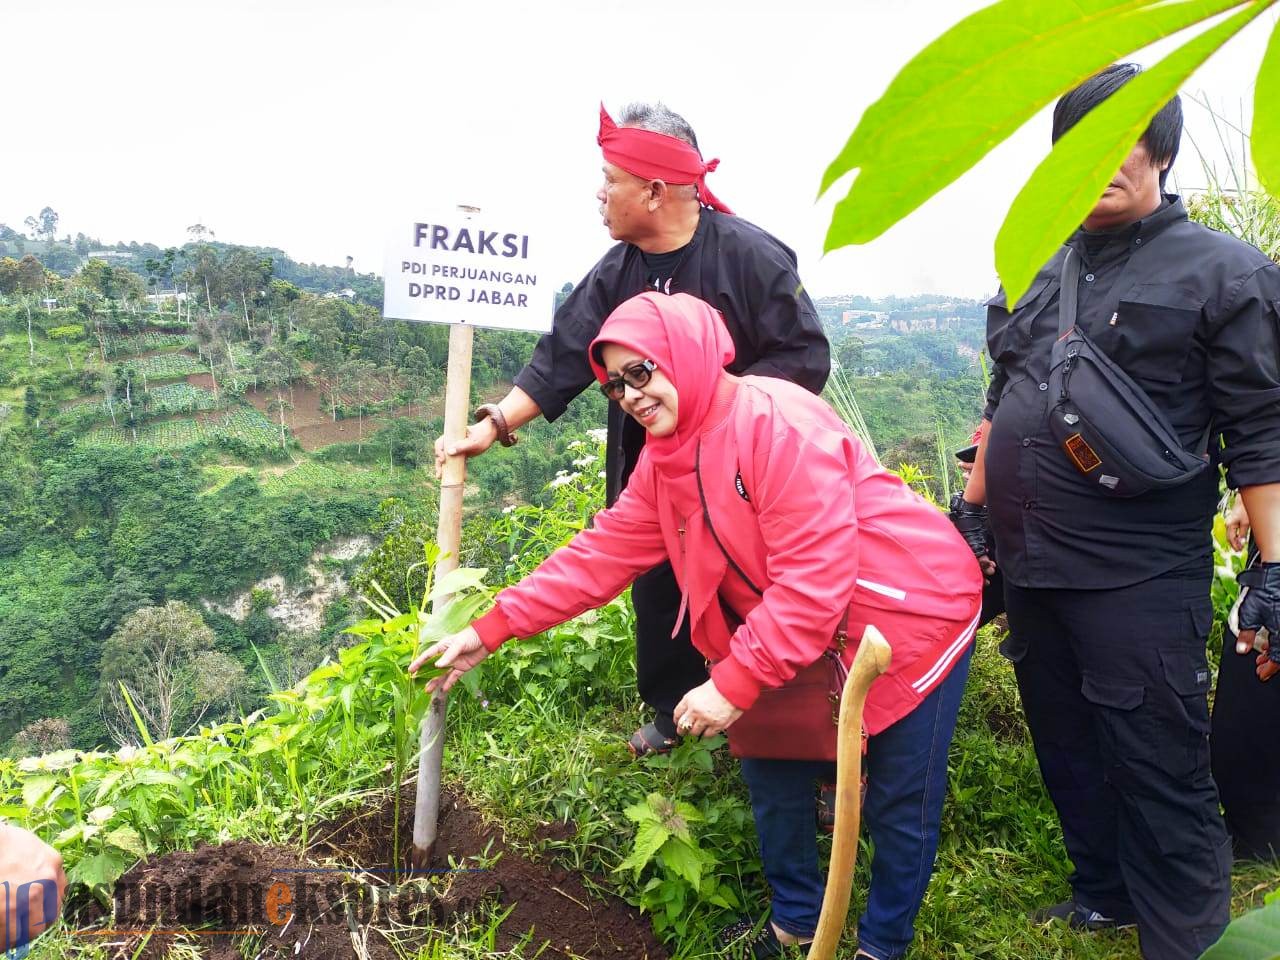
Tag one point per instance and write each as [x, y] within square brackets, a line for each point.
[1193, 315]
[742, 271]
[659, 268]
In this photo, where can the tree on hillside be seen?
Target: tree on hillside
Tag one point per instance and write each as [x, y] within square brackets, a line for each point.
[31, 407]
[163, 658]
[8, 275]
[31, 275]
[213, 342]
[246, 276]
[358, 375]
[276, 368]
[44, 225]
[125, 594]
[205, 270]
[66, 335]
[417, 370]
[42, 736]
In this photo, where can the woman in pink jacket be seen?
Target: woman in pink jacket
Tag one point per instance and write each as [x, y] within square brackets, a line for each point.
[781, 529]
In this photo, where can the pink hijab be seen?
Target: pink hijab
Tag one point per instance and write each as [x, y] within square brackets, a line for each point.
[687, 339]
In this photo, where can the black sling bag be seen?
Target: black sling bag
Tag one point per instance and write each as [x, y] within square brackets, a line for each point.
[1110, 430]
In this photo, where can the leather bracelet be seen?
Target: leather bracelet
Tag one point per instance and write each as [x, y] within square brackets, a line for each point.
[494, 413]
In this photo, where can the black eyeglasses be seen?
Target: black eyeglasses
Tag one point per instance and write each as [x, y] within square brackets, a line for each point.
[637, 375]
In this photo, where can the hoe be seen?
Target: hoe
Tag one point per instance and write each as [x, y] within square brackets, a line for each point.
[871, 660]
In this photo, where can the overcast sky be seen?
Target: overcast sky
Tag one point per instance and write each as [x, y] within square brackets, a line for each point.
[309, 125]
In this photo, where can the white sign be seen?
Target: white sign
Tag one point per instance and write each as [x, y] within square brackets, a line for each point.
[469, 267]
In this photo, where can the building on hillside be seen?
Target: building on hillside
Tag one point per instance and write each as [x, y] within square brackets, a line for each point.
[166, 296]
[862, 316]
[344, 294]
[109, 255]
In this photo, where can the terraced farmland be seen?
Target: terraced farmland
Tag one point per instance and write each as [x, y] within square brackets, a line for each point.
[167, 366]
[137, 343]
[310, 475]
[181, 398]
[242, 427]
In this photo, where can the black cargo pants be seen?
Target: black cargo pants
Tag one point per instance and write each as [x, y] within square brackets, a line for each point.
[1245, 768]
[1114, 686]
[666, 667]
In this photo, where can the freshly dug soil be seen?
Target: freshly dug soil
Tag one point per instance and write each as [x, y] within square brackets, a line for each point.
[545, 898]
[292, 906]
[223, 892]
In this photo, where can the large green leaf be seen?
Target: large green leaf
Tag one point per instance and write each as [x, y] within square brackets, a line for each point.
[976, 84]
[1067, 185]
[1266, 118]
[1253, 936]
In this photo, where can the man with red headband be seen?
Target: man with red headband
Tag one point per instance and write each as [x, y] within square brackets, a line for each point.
[674, 236]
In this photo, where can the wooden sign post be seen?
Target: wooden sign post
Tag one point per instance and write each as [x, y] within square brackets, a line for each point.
[455, 269]
[457, 398]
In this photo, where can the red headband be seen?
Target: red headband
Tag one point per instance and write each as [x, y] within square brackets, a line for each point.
[656, 156]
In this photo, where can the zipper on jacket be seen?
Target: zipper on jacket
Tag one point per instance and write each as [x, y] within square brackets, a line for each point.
[684, 590]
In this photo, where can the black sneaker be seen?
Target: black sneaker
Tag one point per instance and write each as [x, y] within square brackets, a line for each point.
[748, 939]
[1079, 917]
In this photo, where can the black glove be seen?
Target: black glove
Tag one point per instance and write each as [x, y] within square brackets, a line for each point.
[1261, 605]
[971, 520]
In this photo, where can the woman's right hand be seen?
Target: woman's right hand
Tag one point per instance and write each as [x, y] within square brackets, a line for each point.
[462, 651]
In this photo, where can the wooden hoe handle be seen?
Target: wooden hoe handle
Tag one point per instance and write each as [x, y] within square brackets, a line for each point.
[871, 660]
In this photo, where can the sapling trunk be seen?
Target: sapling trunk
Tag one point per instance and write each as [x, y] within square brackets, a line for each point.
[426, 813]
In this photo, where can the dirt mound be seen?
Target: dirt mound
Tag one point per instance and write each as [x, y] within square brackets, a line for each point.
[225, 892]
[288, 905]
[551, 902]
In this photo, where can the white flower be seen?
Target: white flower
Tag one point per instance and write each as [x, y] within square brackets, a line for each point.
[508, 508]
[562, 479]
[586, 461]
[598, 435]
[600, 474]
[127, 753]
[576, 444]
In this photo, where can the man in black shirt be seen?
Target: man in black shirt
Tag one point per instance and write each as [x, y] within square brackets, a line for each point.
[674, 236]
[1108, 598]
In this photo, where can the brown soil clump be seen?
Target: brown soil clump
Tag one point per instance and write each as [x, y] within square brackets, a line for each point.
[549, 903]
[271, 903]
[219, 894]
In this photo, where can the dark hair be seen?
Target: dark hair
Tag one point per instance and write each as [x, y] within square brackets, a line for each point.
[1163, 133]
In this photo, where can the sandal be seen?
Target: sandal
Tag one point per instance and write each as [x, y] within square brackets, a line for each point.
[650, 741]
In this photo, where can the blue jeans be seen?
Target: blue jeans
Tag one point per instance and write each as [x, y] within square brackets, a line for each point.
[906, 783]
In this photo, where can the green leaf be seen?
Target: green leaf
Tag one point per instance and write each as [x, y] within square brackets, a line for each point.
[458, 580]
[365, 628]
[639, 812]
[974, 86]
[1266, 119]
[1067, 185]
[99, 871]
[137, 718]
[36, 789]
[1253, 936]
[127, 839]
[650, 837]
[685, 860]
